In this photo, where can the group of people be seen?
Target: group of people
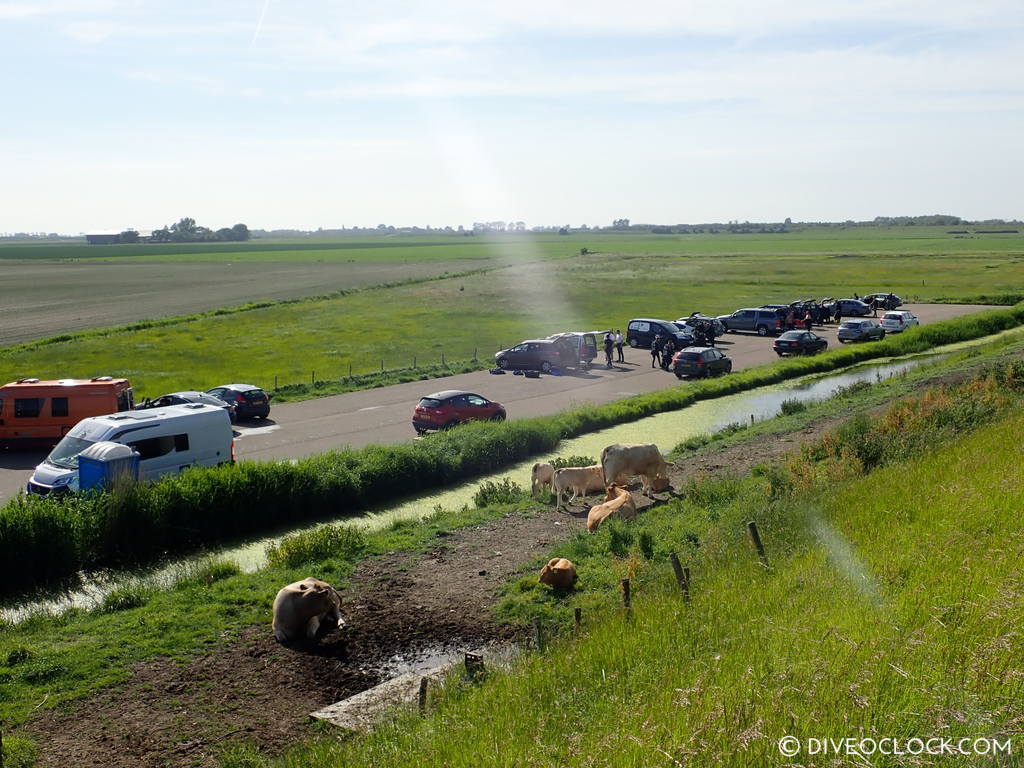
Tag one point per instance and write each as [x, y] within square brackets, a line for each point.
[613, 340]
[663, 349]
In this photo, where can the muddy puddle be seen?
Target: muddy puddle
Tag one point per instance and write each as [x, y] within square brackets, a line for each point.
[666, 430]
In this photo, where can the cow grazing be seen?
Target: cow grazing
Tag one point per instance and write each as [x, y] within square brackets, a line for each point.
[579, 480]
[543, 477]
[620, 462]
[618, 501]
[301, 607]
[559, 573]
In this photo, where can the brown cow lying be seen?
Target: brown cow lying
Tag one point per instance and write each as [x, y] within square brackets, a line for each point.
[559, 573]
[300, 608]
[618, 502]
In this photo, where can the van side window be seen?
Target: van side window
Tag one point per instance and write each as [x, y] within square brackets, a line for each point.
[153, 447]
[27, 407]
[181, 443]
[59, 406]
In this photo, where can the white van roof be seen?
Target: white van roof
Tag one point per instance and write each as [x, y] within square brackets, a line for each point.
[104, 427]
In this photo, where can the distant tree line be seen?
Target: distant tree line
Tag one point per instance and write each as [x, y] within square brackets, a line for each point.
[187, 231]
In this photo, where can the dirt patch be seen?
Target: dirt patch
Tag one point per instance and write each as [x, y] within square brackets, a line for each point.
[250, 688]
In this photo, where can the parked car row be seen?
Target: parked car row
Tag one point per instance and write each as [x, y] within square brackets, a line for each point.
[241, 401]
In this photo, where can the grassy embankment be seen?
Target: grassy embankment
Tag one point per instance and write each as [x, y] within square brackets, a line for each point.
[59, 659]
[547, 287]
[43, 538]
[891, 607]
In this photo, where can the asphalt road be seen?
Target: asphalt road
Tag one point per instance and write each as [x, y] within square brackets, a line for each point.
[384, 415]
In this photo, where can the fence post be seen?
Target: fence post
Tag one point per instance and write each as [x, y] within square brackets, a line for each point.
[682, 577]
[382, 366]
[312, 378]
[350, 370]
[627, 599]
[442, 358]
[414, 361]
[474, 354]
[577, 615]
[538, 635]
[422, 697]
[275, 387]
[756, 538]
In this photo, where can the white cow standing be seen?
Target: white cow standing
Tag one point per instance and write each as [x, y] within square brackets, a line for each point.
[620, 462]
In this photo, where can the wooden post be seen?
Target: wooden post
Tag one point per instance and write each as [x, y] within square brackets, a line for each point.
[538, 635]
[350, 370]
[626, 597]
[751, 419]
[474, 354]
[275, 382]
[577, 615]
[756, 538]
[442, 358]
[312, 378]
[474, 665]
[382, 366]
[414, 361]
[422, 696]
[682, 576]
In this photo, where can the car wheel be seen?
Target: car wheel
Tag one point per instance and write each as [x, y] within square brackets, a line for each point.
[881, 335]
[504, 364]
[762, 330]
[679, 376]
[779, 354]
[450, 424]
[545, 367]
[420, 432]
[633, 343]
[498, 417]
[728, 368]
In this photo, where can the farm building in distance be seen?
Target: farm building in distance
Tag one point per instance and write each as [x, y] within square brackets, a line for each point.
[112, 238]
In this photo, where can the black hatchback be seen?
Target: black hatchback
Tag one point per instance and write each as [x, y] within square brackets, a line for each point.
[250, 401]
[700, 362]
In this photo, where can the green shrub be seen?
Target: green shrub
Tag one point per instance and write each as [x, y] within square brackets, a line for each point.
[789, 407]
[125, 598]
[505, 492]
[645, 541]
[17, 656]
[18, 752]
[320, 543]
[620, 537]
[573, 461]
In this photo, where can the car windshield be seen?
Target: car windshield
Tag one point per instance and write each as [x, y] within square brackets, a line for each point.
[689, 356]
[65, 453]
[429, 402]
[893, 316]
[850, 325]
[792, 335]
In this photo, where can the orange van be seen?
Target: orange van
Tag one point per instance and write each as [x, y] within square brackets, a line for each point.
[42, 412]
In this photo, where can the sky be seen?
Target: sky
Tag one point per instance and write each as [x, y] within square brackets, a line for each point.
[315, 113]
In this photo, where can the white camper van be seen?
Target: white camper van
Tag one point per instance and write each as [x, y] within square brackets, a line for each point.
[167, 440]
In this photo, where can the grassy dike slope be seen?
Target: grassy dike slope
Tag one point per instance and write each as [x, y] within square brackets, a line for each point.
[892, 608]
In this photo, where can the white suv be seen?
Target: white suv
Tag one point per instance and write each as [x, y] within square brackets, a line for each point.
[894, 322]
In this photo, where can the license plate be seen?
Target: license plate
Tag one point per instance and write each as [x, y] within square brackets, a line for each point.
[258, 402]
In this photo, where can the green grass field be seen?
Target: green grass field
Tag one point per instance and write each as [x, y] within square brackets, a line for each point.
[545, 286]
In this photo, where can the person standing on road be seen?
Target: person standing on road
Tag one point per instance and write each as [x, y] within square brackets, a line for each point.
[808, 320]
[709, 333]
[656, 349]
[790, 319]
[609, 342]
[839, 313]
[666, 354]
[618, 345]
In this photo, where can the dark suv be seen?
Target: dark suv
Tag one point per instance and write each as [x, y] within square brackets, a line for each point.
[537, 355]
[641, 333]
[250, 401]
[762, 320]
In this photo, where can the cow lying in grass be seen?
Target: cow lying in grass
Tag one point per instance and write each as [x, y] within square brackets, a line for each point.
[559, 573]
[543, 477]
[579, 480]
[618, 501]
[302, 607]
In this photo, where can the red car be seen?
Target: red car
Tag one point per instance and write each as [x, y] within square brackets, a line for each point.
[444, 410]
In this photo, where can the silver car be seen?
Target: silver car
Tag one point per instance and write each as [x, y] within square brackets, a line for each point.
[860, 330]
